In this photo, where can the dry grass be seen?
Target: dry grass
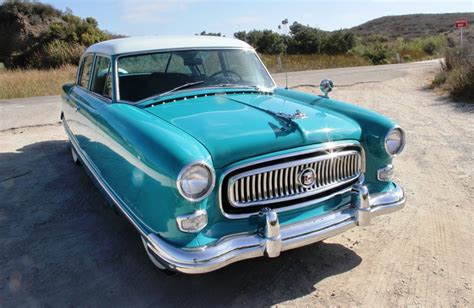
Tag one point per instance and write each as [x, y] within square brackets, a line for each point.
[312, 62]
[28, 83]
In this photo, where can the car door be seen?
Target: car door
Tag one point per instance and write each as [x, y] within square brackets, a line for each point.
[98, 99]
[72, 102]
[88, 101]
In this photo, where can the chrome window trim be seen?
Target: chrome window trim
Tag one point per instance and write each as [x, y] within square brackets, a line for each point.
[105, 99]
[96, 56]
[318, 148]
[80, 71]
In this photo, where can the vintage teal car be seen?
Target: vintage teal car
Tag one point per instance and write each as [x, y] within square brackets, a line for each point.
[192, 141]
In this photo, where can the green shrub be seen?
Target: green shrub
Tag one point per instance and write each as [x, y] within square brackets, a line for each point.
[55, 54]
[440, 79]
[406, 58]
[458, 70]
[460, 82]
[376, 53]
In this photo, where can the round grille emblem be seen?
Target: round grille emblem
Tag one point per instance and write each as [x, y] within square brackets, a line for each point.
[307, 177]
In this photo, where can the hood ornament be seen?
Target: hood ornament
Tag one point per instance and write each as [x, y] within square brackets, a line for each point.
[326, 86]
[297, 115]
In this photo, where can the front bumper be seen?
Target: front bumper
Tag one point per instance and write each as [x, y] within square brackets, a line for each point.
[270, 240]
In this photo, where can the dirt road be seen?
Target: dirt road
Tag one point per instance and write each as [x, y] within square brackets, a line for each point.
[59, 246]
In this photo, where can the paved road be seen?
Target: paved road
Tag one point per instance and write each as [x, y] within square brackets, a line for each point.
[352, 75]
[46, 109]
[31, 111]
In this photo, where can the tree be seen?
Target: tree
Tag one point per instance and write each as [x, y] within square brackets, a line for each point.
[338, 42]
[210, 33]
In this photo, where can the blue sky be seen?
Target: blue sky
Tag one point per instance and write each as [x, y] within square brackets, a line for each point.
[187, 17]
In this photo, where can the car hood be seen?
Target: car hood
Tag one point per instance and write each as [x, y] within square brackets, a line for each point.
[237, 126]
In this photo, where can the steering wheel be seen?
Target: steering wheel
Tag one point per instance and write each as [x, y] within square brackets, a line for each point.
[225, 72]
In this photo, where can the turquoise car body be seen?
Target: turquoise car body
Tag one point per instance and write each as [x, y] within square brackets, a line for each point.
[136, 152]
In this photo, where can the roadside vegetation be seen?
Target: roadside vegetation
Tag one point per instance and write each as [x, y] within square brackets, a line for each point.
[348, 47]
[457, 73]
[311, 62]
[27, 83]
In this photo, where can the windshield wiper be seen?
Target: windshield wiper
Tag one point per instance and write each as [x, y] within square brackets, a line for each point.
[159, 95]
[242, 86]
[186, 85]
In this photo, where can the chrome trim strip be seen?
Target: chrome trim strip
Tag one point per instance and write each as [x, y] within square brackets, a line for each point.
[329, 146]
[275, 239]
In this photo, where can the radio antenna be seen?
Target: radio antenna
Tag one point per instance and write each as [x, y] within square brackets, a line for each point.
[284, 22]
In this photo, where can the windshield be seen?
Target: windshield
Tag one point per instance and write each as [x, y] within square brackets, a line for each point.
[145, 75]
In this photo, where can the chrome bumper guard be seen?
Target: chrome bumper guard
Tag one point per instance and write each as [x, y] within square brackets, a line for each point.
[271, 239]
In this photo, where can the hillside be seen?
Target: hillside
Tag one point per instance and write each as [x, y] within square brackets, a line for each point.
[416, 26]
[37, 35]
[23, 25]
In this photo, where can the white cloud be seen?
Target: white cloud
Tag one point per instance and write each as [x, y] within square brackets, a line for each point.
[152, 10]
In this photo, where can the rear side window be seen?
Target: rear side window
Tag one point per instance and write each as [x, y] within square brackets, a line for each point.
[101, 81]
[86, 71]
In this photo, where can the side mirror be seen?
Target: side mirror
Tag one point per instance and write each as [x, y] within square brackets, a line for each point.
[68, 87]
[326, 86]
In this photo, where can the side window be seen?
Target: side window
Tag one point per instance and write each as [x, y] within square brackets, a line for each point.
[101, 81]
[86, 71]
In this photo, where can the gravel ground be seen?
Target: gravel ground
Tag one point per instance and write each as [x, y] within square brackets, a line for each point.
[59, 246]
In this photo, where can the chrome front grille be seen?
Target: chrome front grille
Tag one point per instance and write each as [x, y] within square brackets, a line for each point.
[295, 179]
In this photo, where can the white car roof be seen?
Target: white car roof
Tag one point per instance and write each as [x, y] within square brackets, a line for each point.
[149, 43]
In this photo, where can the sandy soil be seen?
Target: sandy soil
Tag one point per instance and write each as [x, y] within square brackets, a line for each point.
[59, 246]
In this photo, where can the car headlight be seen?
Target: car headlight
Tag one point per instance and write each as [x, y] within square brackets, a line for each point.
[395, 141]
[196, 181]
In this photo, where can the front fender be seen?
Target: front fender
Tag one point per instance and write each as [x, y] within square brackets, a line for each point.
[140, 156]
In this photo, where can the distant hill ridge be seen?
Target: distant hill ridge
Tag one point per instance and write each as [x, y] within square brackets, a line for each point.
[416, 25]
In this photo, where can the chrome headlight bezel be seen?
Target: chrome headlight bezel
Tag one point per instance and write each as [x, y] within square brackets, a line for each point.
[209, 187]
[402, 140]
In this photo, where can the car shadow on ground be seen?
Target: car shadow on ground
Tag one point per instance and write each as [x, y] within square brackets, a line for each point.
[61, 247]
